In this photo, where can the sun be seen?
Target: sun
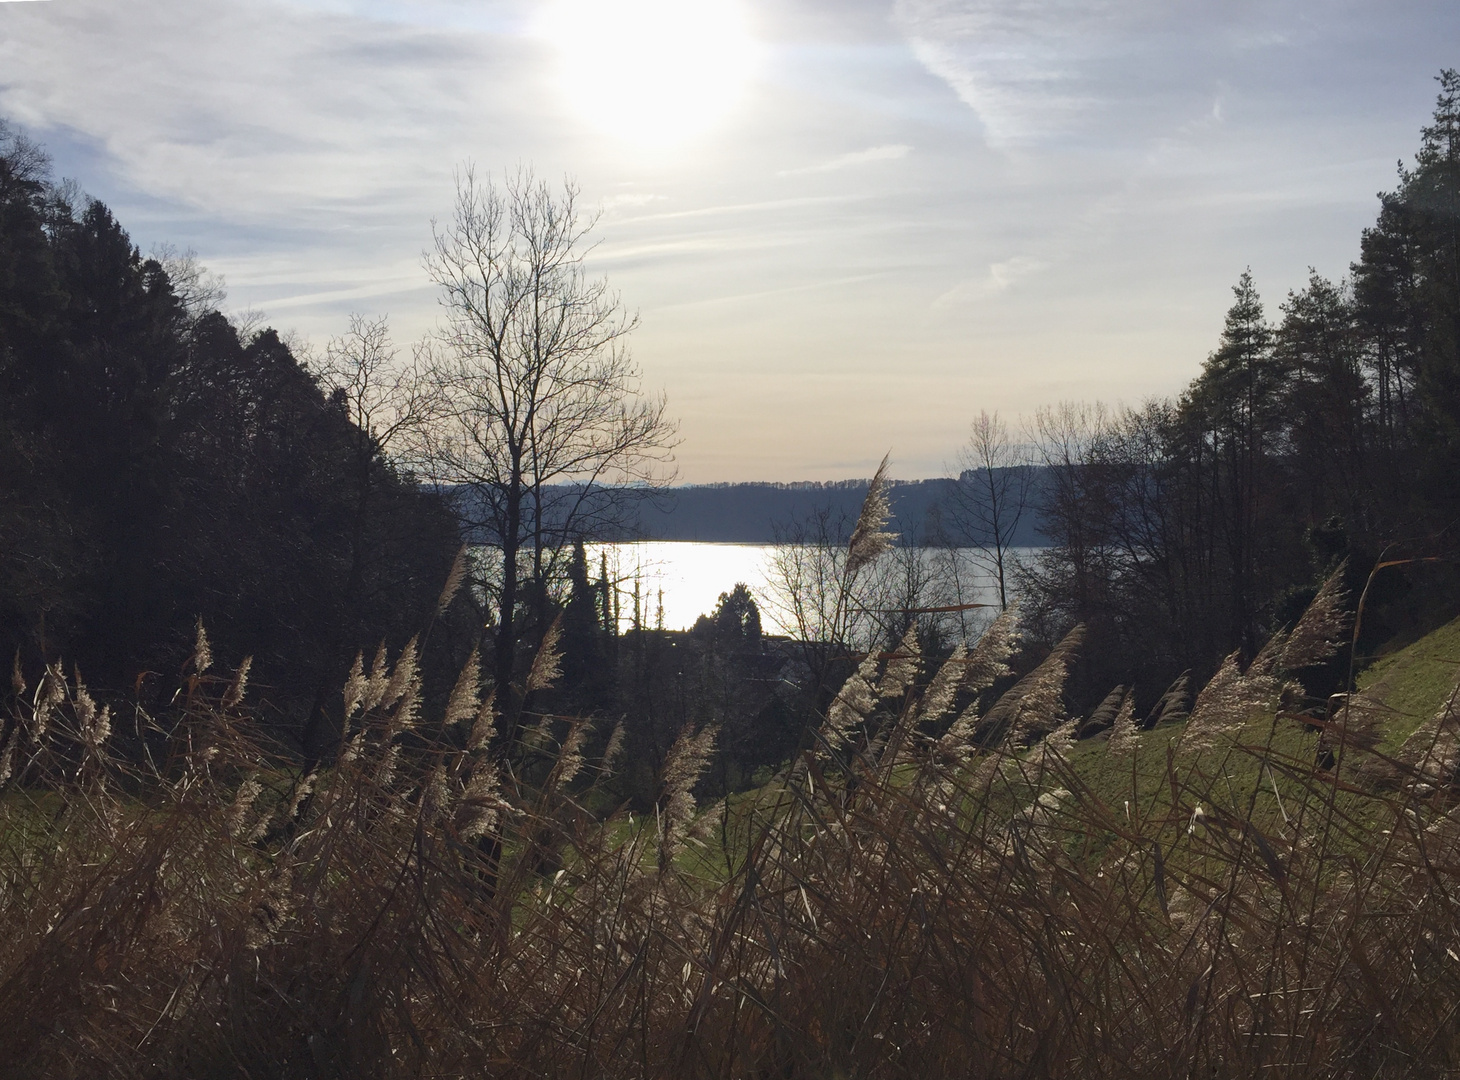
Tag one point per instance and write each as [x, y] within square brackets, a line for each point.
[652, 72]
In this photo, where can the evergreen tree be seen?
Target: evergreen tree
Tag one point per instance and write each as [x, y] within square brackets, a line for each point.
[1430, 192]
[735, 622]
[156, 468]
[1237, 398]
[1390, 321]
[585, 659]
[1325, 403]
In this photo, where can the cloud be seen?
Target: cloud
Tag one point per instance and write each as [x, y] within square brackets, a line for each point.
[1145, 151]
[243, 109]
[633, 198]
[1036, 70]
[1001, 276]
[891, 152]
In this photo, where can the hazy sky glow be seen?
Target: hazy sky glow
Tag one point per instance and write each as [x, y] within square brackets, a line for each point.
[847, 225]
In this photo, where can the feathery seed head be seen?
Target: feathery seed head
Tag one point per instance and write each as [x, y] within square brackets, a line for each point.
[988, 661]
[903, 666]
[1225, 704]
[683, 765]
[453, 581]
[1432, 753]
[612, 751]
[546, 667]
[570, 755]
[484, 724]
[243, 800]
[48, 696]
[355, 686]
[7, 758]
[1173, 704]
[944, 688]
[1035, 703]
[481, 804]
[870, 537]
[850, 707]
[465, 695]
[302, 790]
[436, 795]
[379, 681]
[239, 686]
[202, 656]
[1124, 739]
[1321, 631]
[95, 723]
[402, 676]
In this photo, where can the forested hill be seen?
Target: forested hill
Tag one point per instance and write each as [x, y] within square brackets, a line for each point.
[761, 513]
[160, 466]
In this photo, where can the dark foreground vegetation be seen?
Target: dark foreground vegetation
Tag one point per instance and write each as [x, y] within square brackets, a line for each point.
[1127, 832]
[942, 885]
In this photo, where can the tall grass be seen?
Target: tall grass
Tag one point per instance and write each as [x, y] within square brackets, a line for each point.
[940, 885]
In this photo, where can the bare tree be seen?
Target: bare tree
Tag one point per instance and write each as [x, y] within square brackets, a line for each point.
[197, 288]
[389, 401]
[542, 423]
[991, 497]
[26, 159]
[1071, 575]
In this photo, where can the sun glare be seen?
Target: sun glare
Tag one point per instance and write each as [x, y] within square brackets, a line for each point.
[652, 72]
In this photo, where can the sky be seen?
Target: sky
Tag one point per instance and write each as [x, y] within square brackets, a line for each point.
[847, 226]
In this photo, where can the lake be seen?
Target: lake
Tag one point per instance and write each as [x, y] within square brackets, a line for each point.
[687, 578]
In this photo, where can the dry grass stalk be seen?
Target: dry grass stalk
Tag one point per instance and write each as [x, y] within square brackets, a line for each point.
[453, 919]
[904, 665]
[1124, 738]
[1323, 628]
[453, 580]
[870, 537]
[850, 708]
[1225, 704]
[547, 662]
[1033, 706]
[1431, 755]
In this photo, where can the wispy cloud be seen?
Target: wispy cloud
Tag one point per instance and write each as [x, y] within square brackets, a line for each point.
[850, 219]
[1087, 69]
[1000, 277]
[891, 152]
[632, 198]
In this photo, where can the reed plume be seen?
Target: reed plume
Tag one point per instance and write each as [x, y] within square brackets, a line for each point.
[870, 537]
[433, 905]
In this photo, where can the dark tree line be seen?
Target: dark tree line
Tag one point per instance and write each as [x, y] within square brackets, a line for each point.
[1187, 528]
[158, 465]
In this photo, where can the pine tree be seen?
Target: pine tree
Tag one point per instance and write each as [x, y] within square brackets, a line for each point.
[1325, 400]
[1430, 192]
[584, 661]
[1237, 398]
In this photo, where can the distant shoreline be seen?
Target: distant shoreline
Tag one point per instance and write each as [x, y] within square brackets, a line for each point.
[769, 513]
[762, 513]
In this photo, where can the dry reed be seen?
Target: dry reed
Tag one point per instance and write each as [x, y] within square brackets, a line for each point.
[918, 896]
